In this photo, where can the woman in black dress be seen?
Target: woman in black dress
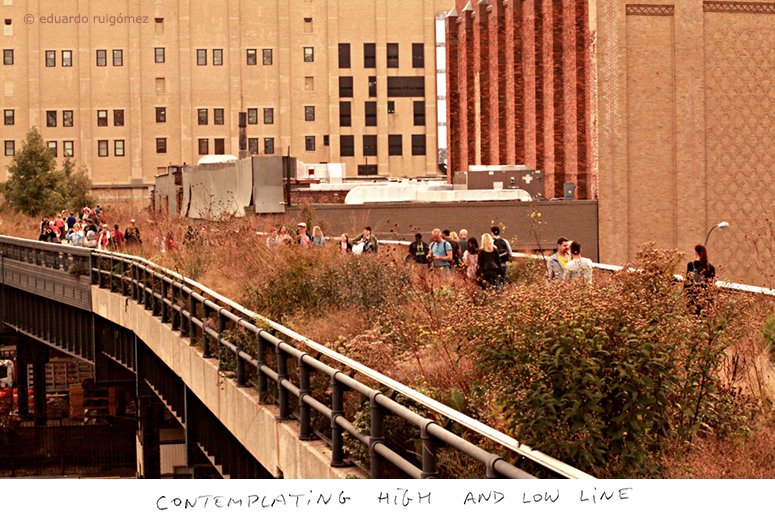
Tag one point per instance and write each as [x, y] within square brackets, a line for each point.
[699, 274]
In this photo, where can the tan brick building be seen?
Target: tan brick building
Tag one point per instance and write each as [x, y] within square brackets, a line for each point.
[667, 115]
[686, 136]
[131, 87]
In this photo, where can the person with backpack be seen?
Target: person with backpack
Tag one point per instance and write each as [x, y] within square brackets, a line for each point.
[504, 250]
[418, 250]
[457, 254]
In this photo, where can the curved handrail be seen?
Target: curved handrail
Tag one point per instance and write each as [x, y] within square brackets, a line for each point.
[502, 439]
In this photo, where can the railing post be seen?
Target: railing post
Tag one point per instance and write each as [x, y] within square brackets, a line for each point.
[155, 310]
[174, 316]
[146, 299]
[93, 267]
[205, 335]
[429, 469]
[135, 282]
[377, 436]
[240, 367]
[221, 328]
[164, 310]
[337, 410]
[260, 361]
[305, 427]
[282, 375]
[124, 290]
[191, 329]
[112, 275]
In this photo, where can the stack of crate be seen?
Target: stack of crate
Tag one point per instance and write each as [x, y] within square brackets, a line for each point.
[76, 401]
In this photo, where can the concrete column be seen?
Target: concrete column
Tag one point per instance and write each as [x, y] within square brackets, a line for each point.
[150, 416]
[453, 96]
[481, 101]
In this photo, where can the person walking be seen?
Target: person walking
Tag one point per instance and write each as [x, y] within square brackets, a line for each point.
[471, 259]
[440, 253]
[504, 250]
[489, 263]
[418, 250]
[369, 241]
[318, 240]
[699, 274]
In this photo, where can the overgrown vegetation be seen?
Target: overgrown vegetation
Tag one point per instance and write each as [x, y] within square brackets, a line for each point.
[621, 378]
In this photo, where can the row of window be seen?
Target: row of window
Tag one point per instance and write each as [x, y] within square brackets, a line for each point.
[369, 56]
[346, 146]
[397, 86]
[395, 145]
[370, 112]
[9, 117]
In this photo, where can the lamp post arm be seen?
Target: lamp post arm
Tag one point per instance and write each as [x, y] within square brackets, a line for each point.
[708, 236]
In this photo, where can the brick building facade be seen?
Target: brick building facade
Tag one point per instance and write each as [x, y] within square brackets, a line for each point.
[520, 89]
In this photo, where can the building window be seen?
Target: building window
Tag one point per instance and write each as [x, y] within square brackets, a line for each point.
[395, 145]
[345, 86]
[8, 117]
[344, 55]
[369, 55]
[309, 84]
[219, 147]
[160, 86]
[161, 144]
[51, 58]
[391, 107]
[419, 113]
[218, 116]
[253, 146]
[345, 113]
[252, 115]
[201, 57]
[10, 150]
[67, 58]
[118, 148]
[67, 148]
[418, 144]
[118, 118]
[102, 117]
[252, 57]
[309, 113]
[217, 57]
[118, 58]
[102, 148]
[309, 143]
[52, 145]
[309, 54]
[204, 146]
[8, 57]
[51, 118]
[372, 86]
[325, 140]
[308, 25]
[269, 146]
[406, 86]
[266, 56]
[369, 145]
[269, 116]
[392, 55]
[370, 111]
[159, 25]
[346, 146]
[418, 55]
[67, 118]
[161, 114]
[158, 54]
[202, 116]
[102, 58]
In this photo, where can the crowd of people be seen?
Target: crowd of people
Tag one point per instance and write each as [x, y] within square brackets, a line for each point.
[89, 229]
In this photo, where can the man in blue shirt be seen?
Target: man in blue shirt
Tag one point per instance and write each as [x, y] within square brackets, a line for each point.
[440, 253]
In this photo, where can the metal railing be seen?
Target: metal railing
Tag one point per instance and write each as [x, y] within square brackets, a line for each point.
[194, 311]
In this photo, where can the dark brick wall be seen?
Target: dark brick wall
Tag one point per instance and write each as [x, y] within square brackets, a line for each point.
[523, 68]
[576, 220]
[318, 197]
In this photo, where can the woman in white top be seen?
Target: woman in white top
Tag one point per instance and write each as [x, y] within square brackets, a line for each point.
[577, 266]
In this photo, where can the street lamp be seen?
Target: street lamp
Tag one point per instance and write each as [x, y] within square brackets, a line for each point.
[722, 225]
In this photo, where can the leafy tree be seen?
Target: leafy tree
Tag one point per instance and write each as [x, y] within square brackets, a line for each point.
[36, 187]
[80, 185]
